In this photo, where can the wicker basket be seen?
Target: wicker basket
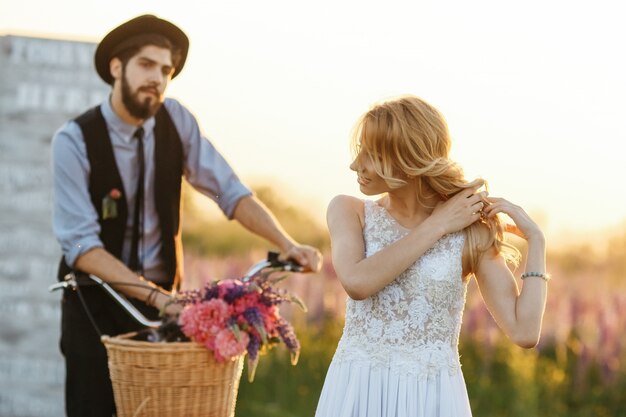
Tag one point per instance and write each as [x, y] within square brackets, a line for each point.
[170, 379]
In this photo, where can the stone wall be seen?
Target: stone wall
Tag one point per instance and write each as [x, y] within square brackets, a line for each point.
[43, 82]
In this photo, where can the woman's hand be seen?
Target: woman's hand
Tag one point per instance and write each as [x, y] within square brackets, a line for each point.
[524, 226]
[459, 211]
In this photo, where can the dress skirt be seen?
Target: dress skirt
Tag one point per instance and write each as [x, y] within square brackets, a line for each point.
[358, 389]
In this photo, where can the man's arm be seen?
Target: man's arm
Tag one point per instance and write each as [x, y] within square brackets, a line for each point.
[107, 267]
[257, 218]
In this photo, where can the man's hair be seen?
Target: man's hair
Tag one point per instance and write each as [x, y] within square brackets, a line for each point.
[130, 47]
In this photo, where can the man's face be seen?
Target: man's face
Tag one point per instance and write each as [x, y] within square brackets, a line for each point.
[144, 79]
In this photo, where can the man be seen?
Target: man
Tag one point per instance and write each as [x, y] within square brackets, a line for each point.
[117, 182]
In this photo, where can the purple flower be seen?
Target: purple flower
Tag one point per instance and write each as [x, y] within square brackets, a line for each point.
[253, 346]
[287, 335]
[271, 298]
[188, 297]
[211, 293]
[253, 316]
[233, 293]
[289, 338]
[232, 321]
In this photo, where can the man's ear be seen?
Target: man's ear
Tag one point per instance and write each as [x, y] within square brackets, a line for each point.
[115, 66]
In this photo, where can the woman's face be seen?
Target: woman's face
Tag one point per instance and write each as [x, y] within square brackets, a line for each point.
[369, 181]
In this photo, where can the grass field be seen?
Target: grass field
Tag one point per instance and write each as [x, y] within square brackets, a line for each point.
[577, 370]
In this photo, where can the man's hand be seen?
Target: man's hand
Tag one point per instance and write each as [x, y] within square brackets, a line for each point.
[309, 257]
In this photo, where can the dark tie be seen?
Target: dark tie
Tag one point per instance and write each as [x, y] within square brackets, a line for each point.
[136, 263]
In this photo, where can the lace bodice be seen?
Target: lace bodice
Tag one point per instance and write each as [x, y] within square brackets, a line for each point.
[412, 325]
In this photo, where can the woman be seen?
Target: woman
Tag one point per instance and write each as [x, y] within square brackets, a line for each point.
[405, 261]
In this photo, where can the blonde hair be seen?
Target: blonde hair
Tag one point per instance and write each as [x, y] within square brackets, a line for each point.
[407, 138]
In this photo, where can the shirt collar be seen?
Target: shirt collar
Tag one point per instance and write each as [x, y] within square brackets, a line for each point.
[120, 127]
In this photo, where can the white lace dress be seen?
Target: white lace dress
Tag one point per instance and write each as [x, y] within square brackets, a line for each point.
[398, 355]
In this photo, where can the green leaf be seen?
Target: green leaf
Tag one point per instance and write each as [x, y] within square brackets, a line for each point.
[279, 279]
[109, 208]
[236, 331]
[297, 300]
[252, 364]
[295, 355]
[262, 333]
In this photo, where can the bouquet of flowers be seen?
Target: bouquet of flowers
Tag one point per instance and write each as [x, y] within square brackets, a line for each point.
[232, 317]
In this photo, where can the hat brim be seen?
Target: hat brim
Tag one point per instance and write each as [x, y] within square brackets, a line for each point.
[138, 26]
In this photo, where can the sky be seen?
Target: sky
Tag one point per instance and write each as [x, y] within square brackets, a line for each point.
[532, 91]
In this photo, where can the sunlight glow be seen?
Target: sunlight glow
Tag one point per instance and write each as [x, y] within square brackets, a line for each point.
[533, 93]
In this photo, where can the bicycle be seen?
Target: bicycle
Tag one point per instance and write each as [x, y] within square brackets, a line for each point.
[175, 379]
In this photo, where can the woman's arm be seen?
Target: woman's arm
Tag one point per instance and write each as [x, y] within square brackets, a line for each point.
[518, 313]
[362, 277]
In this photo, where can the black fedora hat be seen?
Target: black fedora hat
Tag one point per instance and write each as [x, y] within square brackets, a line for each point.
[145, 24]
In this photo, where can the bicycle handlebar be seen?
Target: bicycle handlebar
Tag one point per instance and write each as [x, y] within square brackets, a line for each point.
[272, 261]
[71, 280]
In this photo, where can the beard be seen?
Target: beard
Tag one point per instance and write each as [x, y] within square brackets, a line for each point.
[137, 108]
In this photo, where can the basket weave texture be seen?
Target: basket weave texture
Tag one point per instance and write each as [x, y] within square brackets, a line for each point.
[180, 379]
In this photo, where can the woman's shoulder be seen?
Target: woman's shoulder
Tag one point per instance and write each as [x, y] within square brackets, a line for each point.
[345, 200]
[345, 207]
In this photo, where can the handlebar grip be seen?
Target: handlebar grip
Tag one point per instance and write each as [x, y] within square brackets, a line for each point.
[58, 286]
[287, 265]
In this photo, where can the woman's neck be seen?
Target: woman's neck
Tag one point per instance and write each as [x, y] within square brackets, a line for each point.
[408, 205]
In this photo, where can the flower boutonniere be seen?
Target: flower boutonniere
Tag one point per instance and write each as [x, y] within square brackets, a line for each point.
[109, 204]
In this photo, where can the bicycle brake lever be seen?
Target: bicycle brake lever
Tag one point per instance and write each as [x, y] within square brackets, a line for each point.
[287, 265]
[68, 281]
[272, 261]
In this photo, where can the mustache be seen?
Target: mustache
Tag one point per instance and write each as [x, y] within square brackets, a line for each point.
[150, 89]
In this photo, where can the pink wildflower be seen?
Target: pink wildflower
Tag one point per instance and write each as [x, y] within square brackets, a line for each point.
[203, 321]
[247, 301]
[270, 317]
[227, 346]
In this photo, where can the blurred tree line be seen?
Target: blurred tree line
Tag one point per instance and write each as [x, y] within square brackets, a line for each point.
[584, 258]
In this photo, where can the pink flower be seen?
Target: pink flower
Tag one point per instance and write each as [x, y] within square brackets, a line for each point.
[270, 317]
[115, 194]
[227, 346]
[245, 302]
[203, 321]
[232, 317]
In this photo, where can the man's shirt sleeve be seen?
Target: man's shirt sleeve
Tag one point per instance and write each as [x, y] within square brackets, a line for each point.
[75, 221]
[205, 168]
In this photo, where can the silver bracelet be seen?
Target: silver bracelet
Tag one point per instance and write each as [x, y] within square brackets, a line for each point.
[542, 275]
